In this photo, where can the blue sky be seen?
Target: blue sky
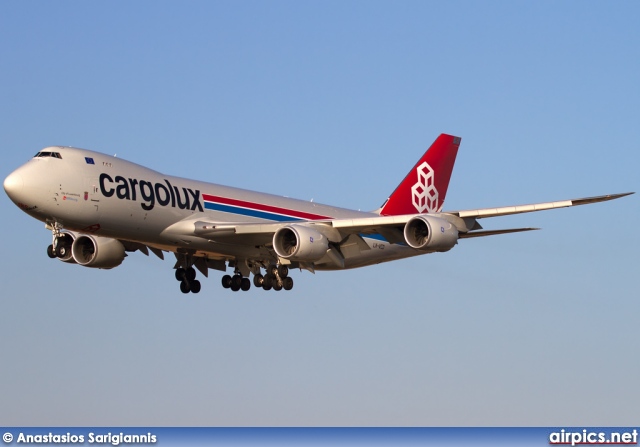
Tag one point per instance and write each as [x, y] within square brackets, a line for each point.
[334, 101]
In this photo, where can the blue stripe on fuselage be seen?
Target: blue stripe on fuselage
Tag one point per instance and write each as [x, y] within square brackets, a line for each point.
[249, 212]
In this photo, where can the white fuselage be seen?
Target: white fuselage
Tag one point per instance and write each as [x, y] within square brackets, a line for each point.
[90, 192]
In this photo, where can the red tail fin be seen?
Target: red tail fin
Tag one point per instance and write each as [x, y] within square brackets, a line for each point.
[423, 190]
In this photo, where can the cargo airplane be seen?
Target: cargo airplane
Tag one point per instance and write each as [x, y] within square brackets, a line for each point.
[99, 208]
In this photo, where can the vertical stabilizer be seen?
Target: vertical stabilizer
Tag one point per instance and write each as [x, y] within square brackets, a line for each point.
[423, 190]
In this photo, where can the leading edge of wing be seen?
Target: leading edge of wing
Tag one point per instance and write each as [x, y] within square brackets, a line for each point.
[518, 209]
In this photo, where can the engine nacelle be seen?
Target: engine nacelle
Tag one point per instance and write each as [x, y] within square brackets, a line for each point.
[97, 252]
[430, 233]
[64, 244]
[300, 243]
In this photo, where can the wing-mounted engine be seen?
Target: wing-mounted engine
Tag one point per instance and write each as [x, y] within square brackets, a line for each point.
[97, 252]
[300, 243]
[430, 233]
[63, 247]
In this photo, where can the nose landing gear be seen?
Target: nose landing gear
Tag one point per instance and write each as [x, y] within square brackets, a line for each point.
[61, 243]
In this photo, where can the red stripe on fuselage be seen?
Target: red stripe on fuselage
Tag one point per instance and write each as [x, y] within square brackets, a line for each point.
[261, 207]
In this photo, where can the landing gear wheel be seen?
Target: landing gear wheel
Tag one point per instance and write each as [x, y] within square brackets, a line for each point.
[226, 281]
[258, 280]
[236, 282]
[191, 274]
[51, 252]
[277, 286]
[180, 274]
[195, 286]
[267, 282]
[287, 283]
[245, 284]
[272, 270]
[184, 287]
[283, 271]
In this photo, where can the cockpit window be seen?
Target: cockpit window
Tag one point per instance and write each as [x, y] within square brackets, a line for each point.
[48, 154]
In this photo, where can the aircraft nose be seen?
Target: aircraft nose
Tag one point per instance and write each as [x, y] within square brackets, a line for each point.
[13, 184]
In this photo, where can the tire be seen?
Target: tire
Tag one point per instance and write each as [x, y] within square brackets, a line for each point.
[258, 280]
[236, 282]
[245, 284]
[191, 274]
[272, 270]
[184, 287]
[277, 287]
[180, 273]
[50, 252]
[287, 283]
[283, 271]
[267, 282]
[195, 286]
[226, 281]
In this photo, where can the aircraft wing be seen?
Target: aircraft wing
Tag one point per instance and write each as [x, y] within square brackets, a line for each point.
[465, 220]
[504, 211]
[389, 227]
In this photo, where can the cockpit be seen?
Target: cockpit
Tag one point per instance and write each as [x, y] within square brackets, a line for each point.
[48, 154]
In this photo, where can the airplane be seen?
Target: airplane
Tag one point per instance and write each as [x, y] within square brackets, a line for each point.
[100, 207]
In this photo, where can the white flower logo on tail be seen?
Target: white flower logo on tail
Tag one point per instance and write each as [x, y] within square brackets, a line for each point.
[424, 192]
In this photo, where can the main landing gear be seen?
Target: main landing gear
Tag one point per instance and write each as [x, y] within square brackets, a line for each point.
[188, 281]
[236, 282]
[276, 278]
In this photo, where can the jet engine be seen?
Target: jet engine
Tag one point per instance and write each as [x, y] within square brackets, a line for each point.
[97, 252]
[300, 243]
[430, 233]
[64, 244]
